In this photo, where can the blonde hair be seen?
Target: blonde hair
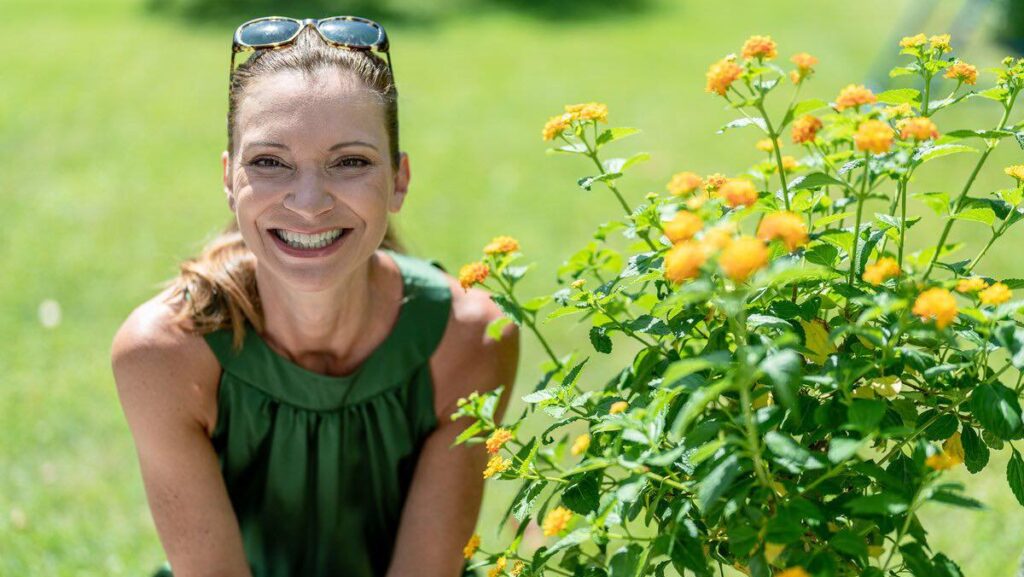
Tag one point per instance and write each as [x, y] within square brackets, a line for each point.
[217, 288]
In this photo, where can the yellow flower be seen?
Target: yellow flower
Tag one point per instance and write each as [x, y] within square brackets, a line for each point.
[696, 201]
[854, 95]
[473, 273]
[794, 572]
[897, 111]
[496, 465]
[936, 304]
[683, 226]
[714, 181]
[471, 546]
[1016, 171]
[578, 283]
[556, 125]
[996, 294]
[794, 77]
[783, 225]
[722, 74]
[805, 129]
[789, 163]
[556, 521]
[501, 245]
[942, 461]
[718, 237]
[765, 144]
[683, 183]
[913, 41]
[742, 257]
[580, 445]
[962, 72]
[738, 192]
[940, 42]
[759, 47]
[618, 407]
[517, 568]
[498, 438]
[588, 111]
[499, 566]
[878, 272]
[873, 136]
[683, 261]
[954, 447]
[918, 128]
[971, 285]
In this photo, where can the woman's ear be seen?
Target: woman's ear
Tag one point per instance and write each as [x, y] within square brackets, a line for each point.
[225, 161]
[401, 183]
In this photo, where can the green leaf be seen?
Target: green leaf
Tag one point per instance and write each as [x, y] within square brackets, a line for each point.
[1015, 476]
[791, 455]
[997, 409]
[741, 122]
[621, 164]
[613, 134]
[937, 201]
[783, 368]
[626, 562]
[878, 504]
[718, 481]
[979, 134]
[494, 327]
[983, 215]
[866, 414]
[975, 451]
[588, 181]
[924, 155]
[814, 180]
[899, 96]
[602, 343]
[582, 494]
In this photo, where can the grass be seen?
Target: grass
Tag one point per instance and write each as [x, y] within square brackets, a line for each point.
[109, 167]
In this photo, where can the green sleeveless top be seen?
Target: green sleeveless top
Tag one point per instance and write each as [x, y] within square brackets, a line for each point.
[318, 466]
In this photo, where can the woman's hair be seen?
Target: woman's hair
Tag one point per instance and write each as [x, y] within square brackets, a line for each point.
[217, 288]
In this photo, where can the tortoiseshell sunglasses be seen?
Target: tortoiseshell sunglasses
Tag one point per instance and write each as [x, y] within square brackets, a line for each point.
[350, 32]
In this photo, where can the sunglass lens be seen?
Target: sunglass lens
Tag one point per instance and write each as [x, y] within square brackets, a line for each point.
[268, 31]
[352, 32]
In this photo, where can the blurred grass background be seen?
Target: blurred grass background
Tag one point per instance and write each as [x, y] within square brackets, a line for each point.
[111, 126]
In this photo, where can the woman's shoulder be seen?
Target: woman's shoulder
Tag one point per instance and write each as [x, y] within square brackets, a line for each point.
[467, 359]
[155, 356]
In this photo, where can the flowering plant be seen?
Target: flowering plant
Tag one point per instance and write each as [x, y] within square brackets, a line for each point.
[803, 378]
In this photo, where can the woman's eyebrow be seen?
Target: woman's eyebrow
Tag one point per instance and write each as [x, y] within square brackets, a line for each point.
[335, 147]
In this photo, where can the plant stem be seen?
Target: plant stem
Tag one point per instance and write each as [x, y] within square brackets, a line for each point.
[775, 146]
[529, 322]
[860, 212]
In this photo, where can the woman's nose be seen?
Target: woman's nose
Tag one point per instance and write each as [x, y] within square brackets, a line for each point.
[309, 197]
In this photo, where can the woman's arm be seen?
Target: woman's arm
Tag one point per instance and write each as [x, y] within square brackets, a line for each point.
[443, 503]
[162, 379]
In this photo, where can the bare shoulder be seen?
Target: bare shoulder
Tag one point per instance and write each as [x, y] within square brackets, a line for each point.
[467, 359]
[163, 365]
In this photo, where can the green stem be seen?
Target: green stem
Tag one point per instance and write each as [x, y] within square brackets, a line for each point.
[860, 213]
[778, 154]
[529, 322]
[903, 221]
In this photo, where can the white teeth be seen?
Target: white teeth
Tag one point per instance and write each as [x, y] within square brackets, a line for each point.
[308, 241]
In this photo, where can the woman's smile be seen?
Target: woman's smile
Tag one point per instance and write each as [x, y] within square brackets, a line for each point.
[305, 245]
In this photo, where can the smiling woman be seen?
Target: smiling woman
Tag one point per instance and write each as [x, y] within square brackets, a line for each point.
[289, 391]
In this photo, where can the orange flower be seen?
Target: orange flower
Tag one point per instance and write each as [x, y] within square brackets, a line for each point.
[580, 445]
[718, 237]
[556, 521]
[759, 47]
[897, 111]
[738, 192]
[804, 61]
[683, 226]
[501, 245]
[913, 41]
[765, 144]
[996, 294]
[853, 96]
[942, 461]
[556, 125]
[499, 567]
[495, 465]
[588, 111]
[936, 304]
[971, 285]
[877, 273]
[498, 438]
[471, 546]
[714, 181]
[517, 568]
[472, 273]
[789, 163]
[783, 225]
[683, 261]
[683, 183]
[743, 257]
[918, 128]
[722, 74]
[873, 136]
[962, 72]
[805, 129]
[618, 407]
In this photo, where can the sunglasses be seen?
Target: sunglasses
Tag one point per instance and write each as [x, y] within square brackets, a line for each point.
[271, 32]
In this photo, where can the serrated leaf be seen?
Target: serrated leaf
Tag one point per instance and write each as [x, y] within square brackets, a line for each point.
[1015, 476]
[817, 342]
[899, 96]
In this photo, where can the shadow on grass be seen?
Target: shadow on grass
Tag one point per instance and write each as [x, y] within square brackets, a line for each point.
[405, 13]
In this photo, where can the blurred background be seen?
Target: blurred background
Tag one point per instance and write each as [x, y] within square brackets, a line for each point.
[112, 120]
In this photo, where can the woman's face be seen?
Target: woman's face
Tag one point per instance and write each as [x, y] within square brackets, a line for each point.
[312, 155]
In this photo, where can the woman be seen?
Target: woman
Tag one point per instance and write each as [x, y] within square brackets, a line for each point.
[290, 392]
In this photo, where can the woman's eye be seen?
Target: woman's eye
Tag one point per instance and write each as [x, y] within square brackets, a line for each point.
[257, 162]
[359, 162]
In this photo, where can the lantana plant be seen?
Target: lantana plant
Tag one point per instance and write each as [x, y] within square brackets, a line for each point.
[803, 377]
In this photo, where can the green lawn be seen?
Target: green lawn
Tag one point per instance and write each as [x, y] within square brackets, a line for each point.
[111, 126]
